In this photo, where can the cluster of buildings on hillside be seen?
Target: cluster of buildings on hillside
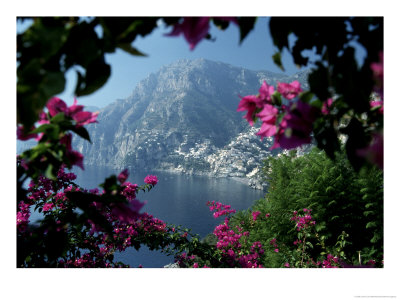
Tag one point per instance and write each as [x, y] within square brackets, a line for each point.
[241, 158]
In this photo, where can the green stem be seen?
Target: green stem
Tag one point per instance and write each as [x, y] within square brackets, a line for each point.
[302, 254]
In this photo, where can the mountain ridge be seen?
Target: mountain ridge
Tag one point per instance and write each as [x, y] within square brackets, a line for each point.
[184, 106]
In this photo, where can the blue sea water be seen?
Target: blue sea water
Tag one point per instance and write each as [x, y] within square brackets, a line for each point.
[176, 199]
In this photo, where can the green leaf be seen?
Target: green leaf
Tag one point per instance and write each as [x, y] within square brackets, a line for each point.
[306, 96]
[333, 202]
[319, 82]
[43, 128]
[53, 83]
[83, 46]
[110, 184]
[49, 173]
[97, 74]
[131, 50]
[329, 190]
[367, 197]
[277, 98]
[60, 117]
[334, 218]
[246, 24]
[375, 238]
[82, 132]
[371, 225]
[278, 60]
[357, 139]
[369, 205]
[280, 29]
[221, 24]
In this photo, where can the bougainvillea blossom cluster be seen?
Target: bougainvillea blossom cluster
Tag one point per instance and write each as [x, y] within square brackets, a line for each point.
[231, 242]
[23, 214]
[255, 215]
[220, 209]
[303, 221]
[290, 123]
[55, 105]
[151, 179]
[125, 217]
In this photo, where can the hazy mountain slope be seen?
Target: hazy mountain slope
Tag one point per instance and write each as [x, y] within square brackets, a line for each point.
[185, 106]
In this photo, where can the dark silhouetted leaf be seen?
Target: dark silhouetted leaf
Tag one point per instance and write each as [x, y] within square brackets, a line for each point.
[131, 50]
[246, 24]
[82, 132]
[277, 60]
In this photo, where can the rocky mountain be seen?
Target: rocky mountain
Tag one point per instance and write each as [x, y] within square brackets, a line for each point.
[183, 118]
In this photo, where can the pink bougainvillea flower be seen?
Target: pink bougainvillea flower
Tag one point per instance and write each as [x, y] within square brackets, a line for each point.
[85, 117]
[276, 250]
[74, 157]
[123, 176]
[74, 108]
[221, 209]
[255, 214]
[289, 90]
[48, 206]
[326, 106]
[43, 118]
[377, 103]
[81, 117]
[296, 126]
[22, 136]
[377, 69]
[374, 152]
[56, 105]
[267, 215]
[194, 29]
[250, 103]
[268, 116]
[151, 179]
[287, 265]
[23, 215]
[266, 91]
[127, 212]
[129, 190]
[371, 262]
[228, 19]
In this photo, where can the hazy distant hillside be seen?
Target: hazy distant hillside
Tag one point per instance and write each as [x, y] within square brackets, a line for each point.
[177, 117]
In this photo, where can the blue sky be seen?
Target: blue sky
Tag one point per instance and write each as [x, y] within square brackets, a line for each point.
[254, 53]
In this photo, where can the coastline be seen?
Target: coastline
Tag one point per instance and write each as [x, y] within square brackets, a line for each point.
[252, 182]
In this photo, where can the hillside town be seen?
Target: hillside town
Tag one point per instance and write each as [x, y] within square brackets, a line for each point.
[241, 159]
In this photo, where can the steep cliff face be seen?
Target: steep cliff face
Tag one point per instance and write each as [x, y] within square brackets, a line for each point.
[186, 108]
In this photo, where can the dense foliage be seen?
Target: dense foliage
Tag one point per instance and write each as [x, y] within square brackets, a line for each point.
[342, 202]
[84, 228]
